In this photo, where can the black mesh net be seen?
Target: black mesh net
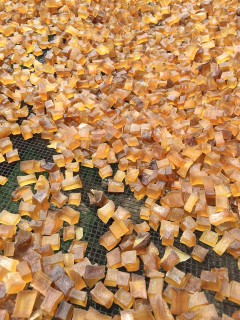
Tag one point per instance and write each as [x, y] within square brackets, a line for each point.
[36, 148]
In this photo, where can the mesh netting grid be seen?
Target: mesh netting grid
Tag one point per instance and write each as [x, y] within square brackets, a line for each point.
[36, 148]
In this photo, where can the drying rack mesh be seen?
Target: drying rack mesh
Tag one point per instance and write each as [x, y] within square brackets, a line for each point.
[36, 148]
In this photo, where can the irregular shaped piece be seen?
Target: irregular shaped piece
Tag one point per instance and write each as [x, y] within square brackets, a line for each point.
[41, 282]
[188, 238]
[64, 311]
[138, 287]
[210, 281]
[106, 212]
[78, 297]
[8, 218]
[141, 241]
[114, 258]
[51, 300]
[209, 237]
[223, 244]
[196, 300]
[124, 299]
[13, 282]
[118, 228]
[234, 294]
[101, 295]
[199, 253]
[176, 278]
[93, 274]
[111, 278]
[24, 304]
[70, 215]
[130, 260]
[179, 303]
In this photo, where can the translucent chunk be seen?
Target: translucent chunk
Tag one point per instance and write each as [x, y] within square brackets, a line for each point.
[199, 253]
[101, 295]
[70, 215]
[51, 300]
[24, 304]
[41, 282]
[106, 212]
[210, 281]
[130, 260]
[93, 274]
[114, 258]
[111, 278]
[118, 228]
[8, 218]
[14, 282]
[78, 297]
[209, 237]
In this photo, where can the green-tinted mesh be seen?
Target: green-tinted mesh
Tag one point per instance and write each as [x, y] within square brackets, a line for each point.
[93, 228]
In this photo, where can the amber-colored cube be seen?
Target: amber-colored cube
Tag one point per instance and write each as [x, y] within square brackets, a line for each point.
[13, 282]
[26, 180]
[74, 199]
[68, 233]
[176, 278]
[51, 300]
[138, 287]
[41, 282]
[64, 311]
[114, 258]
[199, 253]
[72, 183]
[59, 199]
[123, 279]
[93, 274]
[234, 295]
[130, 260]
[188, 238]
[25, 271]
[108, 240]
[78, 297]
[3, 180]
[210, 281]
[53, 240]
[70, 215]
[124, 299]
[118, 228]
[64, 284]
[115, 186]
[209, 237]
[111, 278]
[106, 212]
[121, 214]
[24, 304]
[101, 295]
